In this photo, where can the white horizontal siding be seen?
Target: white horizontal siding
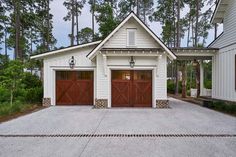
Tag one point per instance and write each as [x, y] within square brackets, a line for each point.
[229, 27]
[161, 78]
[102, 80]
[143, 39]
[63, 58]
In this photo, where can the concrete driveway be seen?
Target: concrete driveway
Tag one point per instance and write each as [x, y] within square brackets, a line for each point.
[189, 130]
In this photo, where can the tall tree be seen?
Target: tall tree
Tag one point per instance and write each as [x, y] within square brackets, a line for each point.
[145, 9]
[106, 19]
[17, 13]
[165, 13]
[125, 7]
[85, 35]
[92, 10]
[74, 8]
[3, 27]
[24, 33]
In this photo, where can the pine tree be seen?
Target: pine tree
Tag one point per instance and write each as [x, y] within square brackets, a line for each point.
[106, 18]
[74, 8]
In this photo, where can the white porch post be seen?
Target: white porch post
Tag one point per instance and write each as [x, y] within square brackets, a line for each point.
[201, 78]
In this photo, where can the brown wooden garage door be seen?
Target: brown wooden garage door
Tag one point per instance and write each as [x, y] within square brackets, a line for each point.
[131, 88]
[74, 88]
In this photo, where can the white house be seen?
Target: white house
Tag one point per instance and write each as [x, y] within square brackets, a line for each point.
[126, 69]
[224, 61]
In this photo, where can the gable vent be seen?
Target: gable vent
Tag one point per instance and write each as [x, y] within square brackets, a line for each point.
[131, 37]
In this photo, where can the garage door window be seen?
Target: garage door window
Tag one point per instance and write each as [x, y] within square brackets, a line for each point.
[63, 75]
[142, 75]
[84, 75]
[121, 75]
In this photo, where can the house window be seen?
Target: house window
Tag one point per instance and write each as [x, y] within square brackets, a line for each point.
[131, 37]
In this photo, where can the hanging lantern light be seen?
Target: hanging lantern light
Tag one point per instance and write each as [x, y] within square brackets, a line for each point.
[72, 62]
[132, 61]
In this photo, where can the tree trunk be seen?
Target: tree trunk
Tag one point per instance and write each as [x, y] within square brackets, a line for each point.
[138, 9]
[72, 23]
[18, 51]
[77, 24]
[193, 40]
[196, 27]
[5, 40]
[144, 12]
[174, 30]
[189, 25]
[93, 10]
[48, 26]
[11, 99]
[178, 26]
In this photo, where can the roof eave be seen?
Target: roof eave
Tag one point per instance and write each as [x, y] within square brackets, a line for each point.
[218, 14]
[43, 55]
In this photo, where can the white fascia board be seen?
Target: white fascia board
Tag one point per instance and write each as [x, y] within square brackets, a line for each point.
[213, 16]
[40, 56]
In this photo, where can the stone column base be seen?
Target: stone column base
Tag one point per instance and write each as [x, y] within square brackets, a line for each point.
[101, 103]
[46, 102]
[162, 104]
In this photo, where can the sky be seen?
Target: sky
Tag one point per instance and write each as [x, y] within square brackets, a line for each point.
[62, 28]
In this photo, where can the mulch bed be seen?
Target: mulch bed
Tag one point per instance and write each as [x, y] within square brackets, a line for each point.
[33, 109]
[198, 101]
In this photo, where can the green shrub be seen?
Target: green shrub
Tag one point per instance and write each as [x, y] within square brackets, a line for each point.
[30, 81]
[170, 86]
[208, 84]
[34, 95]
[8, 109]
[180, 86]
[223, 106]
[5, 94]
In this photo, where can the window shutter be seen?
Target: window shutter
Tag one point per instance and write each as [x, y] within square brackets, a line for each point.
[131, 37]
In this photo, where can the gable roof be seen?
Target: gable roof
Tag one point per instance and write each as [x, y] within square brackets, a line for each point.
[43, 55]
[94, 52]
[220, 9]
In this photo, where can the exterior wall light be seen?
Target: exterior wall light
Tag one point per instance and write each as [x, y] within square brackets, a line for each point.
[132, 61]
[72, 62]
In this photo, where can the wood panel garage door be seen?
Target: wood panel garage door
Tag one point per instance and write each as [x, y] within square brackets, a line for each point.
[131, 88]
[74, 88]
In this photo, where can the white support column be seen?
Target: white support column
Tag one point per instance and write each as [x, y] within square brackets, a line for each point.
[157, 66]
[201, 79]
[213, 77]
[105, 64]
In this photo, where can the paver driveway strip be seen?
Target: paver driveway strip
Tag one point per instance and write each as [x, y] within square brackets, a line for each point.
[182, 118]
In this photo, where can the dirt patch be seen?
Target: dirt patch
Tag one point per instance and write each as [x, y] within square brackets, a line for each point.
[30, 110]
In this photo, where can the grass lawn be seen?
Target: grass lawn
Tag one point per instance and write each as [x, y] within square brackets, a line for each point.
[8, 111]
